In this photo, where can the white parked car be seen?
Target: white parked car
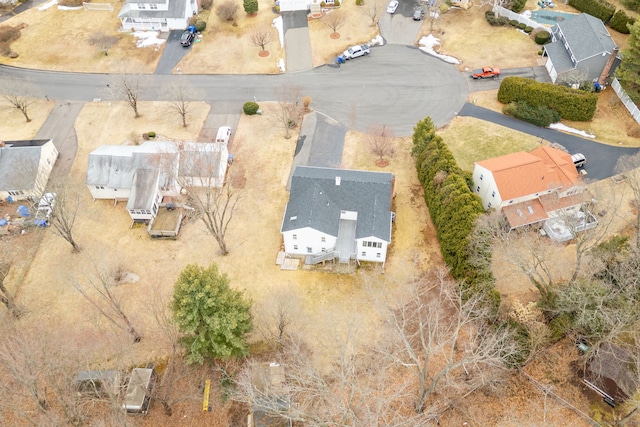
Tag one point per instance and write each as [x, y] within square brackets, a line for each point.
[355, 51]
[393, 6]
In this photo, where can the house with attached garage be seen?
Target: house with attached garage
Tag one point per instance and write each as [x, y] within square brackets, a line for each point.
[143, 175]
[581, 43]
[338, 214]
[157, 15]
[542, 186]
[25, 167]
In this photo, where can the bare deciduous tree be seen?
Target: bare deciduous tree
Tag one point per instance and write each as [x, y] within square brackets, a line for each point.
[128, 87]
[227, 10]
[180, 96]
[380, 140]
[99, 290]
[63, 216]
[575, 76]
[20, 94]
[261, 36]
[335, 21]
[444, 340]
[103, 42]
[374, 13]
[6, 296]
[278, 314]
[287, 108]
[629, 165]
[216, 206]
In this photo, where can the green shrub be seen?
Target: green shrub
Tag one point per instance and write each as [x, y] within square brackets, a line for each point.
[521, 25]
[571, 104]
[540, 52]
[323, 4]
[538, 115]
[621, 22]
[495, 20]
[336, 3]
[200, 26]
[278, 8]
[359, 2]
[598, 8]
[631, 4]
[518, 5]
[543, 37]
[560, 326]
[151, 134]
[528, 29]
[250, 108]
[250, 6]
[513, 22]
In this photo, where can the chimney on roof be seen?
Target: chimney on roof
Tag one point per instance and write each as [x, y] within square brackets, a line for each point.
[337, 180]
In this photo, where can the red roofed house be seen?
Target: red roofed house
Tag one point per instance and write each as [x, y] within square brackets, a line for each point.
[530, 188]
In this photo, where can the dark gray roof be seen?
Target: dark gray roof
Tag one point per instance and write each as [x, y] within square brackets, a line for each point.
[19, 163]
[316, 201]
[111, 166]
[559, 56]
[200, 163]
[176, 9]
[586, 35]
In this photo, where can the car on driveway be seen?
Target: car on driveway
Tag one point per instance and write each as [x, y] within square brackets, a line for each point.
[356, 51]
[392, 6]
[187, 38]
[418, 14]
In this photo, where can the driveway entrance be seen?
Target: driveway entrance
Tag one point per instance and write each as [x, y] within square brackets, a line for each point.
[296, 40]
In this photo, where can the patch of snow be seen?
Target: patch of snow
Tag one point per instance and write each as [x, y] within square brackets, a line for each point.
[147, 38]
[48, 4]
[278, 25]
[377, 41]
[427, 44]
[565, 128]
[70, 8]
[526, 14]
[281, 65]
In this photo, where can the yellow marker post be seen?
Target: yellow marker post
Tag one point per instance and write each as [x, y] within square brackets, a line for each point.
[205, 400]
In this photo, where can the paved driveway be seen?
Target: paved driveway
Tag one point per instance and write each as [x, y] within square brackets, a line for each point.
[172, 53]
[601, 158]
[296, 40]
[400, 28]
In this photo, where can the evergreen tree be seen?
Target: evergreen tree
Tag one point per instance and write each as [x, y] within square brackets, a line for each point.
[213, 318]
[250, 6]
[629, 70]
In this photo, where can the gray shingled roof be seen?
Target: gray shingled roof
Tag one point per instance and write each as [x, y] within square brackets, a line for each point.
[316, 201]
[586, 35]
[143, 189]
[559, 56]
[176, 9]
[19, 163]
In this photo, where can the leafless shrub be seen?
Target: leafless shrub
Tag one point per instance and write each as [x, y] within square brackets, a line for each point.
[261, 36]
[103, 42]
[227, 10]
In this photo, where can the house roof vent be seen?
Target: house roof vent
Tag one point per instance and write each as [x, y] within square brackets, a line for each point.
[337, 180]
[293, 218]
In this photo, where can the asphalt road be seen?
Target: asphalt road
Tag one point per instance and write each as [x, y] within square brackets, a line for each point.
[395, 85]
[601, 158]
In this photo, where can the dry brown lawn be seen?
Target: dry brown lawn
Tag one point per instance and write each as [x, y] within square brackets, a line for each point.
[16, 127]
[59, 40]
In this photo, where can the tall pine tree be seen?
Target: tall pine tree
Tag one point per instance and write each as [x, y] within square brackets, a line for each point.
[629, 70]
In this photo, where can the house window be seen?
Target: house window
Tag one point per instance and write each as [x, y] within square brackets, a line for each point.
[115, 189]
[295, 247]
[378, 255]
[16, 193]
[324, 249]
[481, 176]
[294, 237]
[379, 245]
[99, 187]
[142, 6]
[493, 194]
[309, 249]
[323, 239]
[48, 161]
[364, 253]
[489, 205]
[478, 189]
[153, 6]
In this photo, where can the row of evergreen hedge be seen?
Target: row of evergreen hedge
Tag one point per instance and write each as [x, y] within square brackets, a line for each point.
[453, 207]
[606, 12]
[572, 104]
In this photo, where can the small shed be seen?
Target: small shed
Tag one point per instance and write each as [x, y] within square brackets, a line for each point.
[612, 374]
[138, 395]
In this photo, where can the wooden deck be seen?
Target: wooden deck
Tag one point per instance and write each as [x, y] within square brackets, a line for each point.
[166, 224]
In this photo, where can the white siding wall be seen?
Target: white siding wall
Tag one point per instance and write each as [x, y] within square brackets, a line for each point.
[109, 193]
[177, 23]
[290, 5]
[369, 253]
[307, 238]
[484, 185]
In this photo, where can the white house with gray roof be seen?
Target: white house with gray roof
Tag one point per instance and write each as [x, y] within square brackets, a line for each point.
[338, 213]
[25, 167]
[581, 42]
[157, 15]
[144, 174]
